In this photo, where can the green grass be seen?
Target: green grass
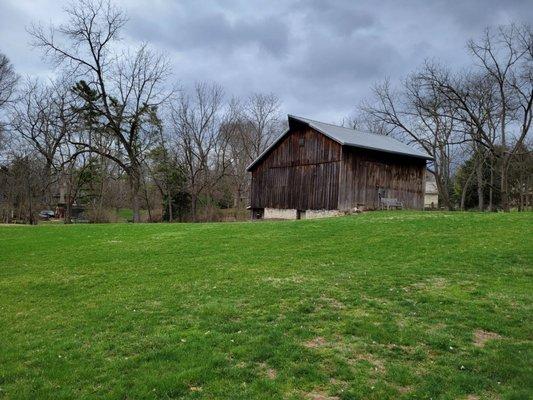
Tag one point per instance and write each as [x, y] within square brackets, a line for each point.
[374, 306]
[126, 214]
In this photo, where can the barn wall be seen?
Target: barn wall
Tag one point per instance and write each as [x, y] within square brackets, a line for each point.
[363, 171]
[301, 172]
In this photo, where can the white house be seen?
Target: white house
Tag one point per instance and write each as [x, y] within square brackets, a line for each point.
[431, 197]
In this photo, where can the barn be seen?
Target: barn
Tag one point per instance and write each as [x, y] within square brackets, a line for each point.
[316, 169]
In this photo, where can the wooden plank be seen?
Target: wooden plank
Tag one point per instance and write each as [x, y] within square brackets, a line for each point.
[365, 171]
[300, 172]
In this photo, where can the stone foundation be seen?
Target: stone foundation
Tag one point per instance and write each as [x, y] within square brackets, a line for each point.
[289, 213]
[313, 214]
[280, 213]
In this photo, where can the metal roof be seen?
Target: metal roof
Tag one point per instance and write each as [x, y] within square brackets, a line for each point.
[350, 137]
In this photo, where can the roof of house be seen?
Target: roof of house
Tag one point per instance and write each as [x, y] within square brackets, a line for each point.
[350, 137]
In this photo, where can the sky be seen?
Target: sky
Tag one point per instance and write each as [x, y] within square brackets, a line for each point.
[319, 57]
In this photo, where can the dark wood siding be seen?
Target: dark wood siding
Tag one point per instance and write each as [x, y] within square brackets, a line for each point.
[363, 172]
[300, 172]
[307, 170]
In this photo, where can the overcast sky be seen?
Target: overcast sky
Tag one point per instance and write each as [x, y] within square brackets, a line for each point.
[320, 57]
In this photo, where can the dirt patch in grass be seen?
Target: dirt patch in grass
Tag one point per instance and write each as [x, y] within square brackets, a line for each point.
[315, 343]
[376, 363]
[400, 348]
[332, 303]
[481, 337]
[290, 280]
[350, 354]
[483, 395]
[405, 389]
[339, 383]
[320, 396]
[270, 373]
[428, 284]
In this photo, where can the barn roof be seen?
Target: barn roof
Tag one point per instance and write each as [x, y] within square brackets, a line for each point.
[349, 137]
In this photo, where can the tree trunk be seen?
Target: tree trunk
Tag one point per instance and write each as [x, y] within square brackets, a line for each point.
[465, 189]
[442, 190]
[68, 211]
[479, 172]
[47, 189]
[236, 198]
[30, 202]
[491, 184]
[503, 186]
[135, 186]
[169, 199]
[147, 201]
[528, 196]
[194, 201]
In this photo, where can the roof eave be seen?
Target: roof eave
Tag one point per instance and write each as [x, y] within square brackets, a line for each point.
[425, 157]
[265, 152]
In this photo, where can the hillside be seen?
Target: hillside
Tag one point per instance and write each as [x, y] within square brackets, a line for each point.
[373, 306]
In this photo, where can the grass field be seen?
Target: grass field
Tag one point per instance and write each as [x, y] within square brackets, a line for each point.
[374, 306]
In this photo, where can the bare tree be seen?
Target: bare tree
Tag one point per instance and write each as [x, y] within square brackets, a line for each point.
[43, 117]
[464, 188]
[364, 122]
[120, 93]
[255, 123]
[196, 120]
[261, 113]
[168, 176]
[521, 177]
[506, 57]
[8, 83]
[8, 80]
[505, 63]
[419, 114]
[481, 99]
[236, 133]
[21, 185]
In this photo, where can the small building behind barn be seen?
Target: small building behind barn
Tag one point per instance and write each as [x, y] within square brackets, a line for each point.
[317, 169]
[431, 196]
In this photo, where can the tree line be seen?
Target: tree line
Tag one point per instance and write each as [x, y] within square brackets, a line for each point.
[110, 131]
[473, 122]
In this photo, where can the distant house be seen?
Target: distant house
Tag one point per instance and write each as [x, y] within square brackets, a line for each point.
[315, 169]
[431, 196]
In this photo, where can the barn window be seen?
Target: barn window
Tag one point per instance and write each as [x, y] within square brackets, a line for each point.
[301, 142]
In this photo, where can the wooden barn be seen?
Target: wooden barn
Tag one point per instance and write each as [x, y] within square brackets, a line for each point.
[316, 169]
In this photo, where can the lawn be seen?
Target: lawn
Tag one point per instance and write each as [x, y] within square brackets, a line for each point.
[382, 305]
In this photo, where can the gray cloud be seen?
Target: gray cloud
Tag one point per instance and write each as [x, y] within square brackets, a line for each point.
[321, 57]
[473, 16]
[338, 62]
[212, 30]
[343, 18]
